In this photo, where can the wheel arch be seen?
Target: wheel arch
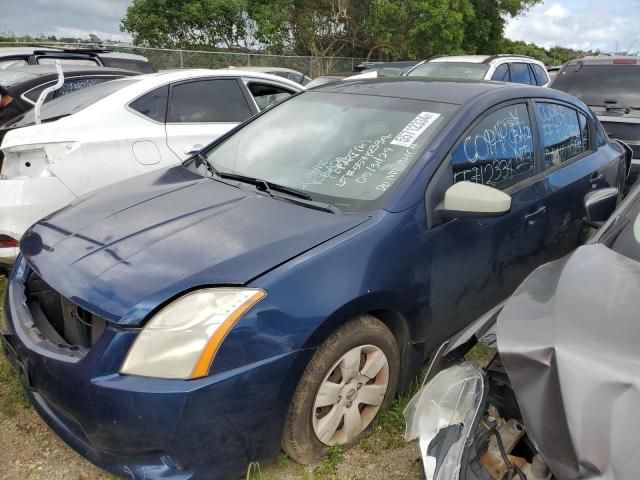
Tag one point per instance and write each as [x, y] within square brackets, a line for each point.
[409, 335]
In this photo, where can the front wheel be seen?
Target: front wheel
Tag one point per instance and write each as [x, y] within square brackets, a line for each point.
[351, 377]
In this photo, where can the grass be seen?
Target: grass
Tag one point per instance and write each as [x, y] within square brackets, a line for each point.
[480, 354]
[330, 462]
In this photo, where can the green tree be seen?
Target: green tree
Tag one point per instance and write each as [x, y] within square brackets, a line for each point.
[416, 29]
[187, 23]
[484, 24]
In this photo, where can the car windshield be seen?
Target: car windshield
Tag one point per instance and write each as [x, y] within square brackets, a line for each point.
[601, 85]
[470, 70]
[70, 104]
[343, 149]
[9, 78]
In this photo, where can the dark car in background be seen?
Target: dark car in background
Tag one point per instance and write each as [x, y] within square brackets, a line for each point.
[11, 57]
[560, 397]
[610, 86]
[25, 84]
[282, 285]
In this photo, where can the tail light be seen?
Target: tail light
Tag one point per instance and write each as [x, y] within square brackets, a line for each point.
[7, 241]
[624, 61]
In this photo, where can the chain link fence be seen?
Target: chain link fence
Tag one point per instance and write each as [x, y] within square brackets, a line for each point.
[166, 59]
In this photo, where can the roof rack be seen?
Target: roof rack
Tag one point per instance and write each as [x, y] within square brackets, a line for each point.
[491, 58]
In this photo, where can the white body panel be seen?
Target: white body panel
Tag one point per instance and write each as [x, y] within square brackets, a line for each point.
[183, 138]
[46, 166]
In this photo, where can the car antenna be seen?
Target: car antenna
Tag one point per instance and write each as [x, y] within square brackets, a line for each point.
[47, 91]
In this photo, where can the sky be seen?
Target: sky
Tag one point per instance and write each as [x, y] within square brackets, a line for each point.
[606, 25]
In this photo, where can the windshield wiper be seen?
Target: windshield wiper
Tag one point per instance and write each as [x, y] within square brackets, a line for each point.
[300, 197]
[264, 185]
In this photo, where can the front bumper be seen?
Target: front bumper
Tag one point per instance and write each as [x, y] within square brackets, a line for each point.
[150, 428]
[24, 201]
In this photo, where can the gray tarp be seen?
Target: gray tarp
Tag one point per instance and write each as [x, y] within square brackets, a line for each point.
[570, 341]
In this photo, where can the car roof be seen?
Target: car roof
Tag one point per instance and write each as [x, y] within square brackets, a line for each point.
[488, 59]
[47, 69]
[265, 69]
[454, 91]
[605, 60]
[416, 88]
[165, 76]
[461, 58]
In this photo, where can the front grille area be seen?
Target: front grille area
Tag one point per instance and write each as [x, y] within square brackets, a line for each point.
[59, 320]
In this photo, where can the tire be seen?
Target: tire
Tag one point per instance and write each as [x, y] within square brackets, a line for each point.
[346, 394]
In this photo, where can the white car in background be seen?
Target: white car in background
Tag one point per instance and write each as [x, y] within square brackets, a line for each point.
[502, 68]
[116, 130]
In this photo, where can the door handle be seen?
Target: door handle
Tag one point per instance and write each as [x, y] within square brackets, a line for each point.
[596, 177]
[530, 218]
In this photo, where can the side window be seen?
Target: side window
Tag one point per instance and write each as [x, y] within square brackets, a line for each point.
[267, 95]
[520, 73]
[541, 74]
[498, 151]
[153, 104]
[219, 100]
[561, 133]
[502, 73]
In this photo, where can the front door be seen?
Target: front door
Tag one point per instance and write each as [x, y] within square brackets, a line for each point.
[478, 262]
[201, 111]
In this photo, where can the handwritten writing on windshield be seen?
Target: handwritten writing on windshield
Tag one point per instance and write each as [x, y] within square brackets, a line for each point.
[355, 165]
[560, 132]
[397, 168]
[496, 153]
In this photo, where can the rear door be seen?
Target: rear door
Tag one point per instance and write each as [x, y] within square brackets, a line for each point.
[202, 110]
[520, 73]
[478, 262]
[573, 165]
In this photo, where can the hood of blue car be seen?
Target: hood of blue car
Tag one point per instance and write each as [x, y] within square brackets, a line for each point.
[124, 250]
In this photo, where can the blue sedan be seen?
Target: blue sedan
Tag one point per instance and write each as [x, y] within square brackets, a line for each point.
[280, 287]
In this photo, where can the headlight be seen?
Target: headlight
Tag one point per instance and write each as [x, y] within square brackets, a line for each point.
[182, 339]
[452, 397]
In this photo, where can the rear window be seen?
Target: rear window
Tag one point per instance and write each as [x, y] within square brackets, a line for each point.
[475, 71]
[67, 61]
[470, 70]
[601, 85]
[9, 78]
[70, 104]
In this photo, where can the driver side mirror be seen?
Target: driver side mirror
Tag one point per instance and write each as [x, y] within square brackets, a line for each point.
[469, 199]
[599, 205]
